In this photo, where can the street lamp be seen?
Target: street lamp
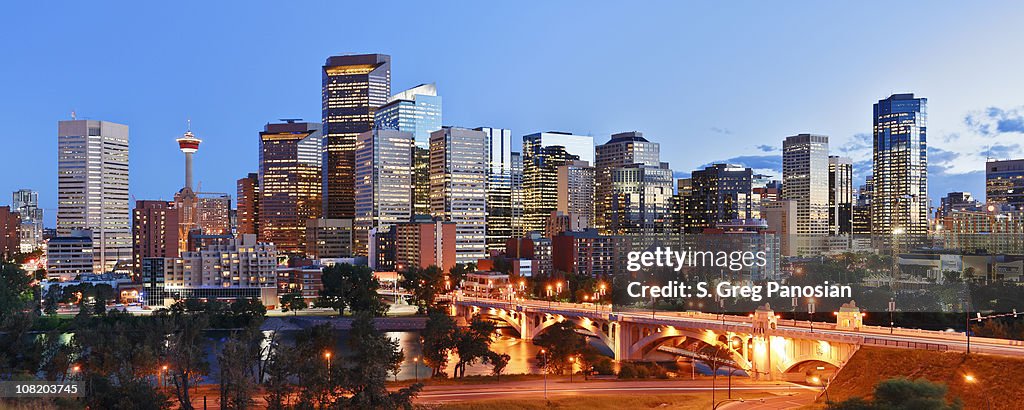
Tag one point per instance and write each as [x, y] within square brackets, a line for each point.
[892, 309]
[327, 356]
[543, 354]
[969, 378]
[572, 367]
[416, 367]
[824, 387]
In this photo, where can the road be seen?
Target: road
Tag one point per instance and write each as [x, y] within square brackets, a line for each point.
[560, 387]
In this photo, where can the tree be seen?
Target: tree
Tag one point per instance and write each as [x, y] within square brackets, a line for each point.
[473, 343]
[497, 362]
[439, 338]
[15, 294]
[348, 287]
[280, 369]
[239, 360]
[186, 354]
[374, 357]
[293, 301]
[423, 285]
[560, 342]
[902, 393]
[458, 273]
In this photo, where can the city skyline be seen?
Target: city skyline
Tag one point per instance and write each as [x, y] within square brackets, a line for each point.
[972, 113]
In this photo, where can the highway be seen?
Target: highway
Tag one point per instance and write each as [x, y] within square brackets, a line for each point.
[560, 387]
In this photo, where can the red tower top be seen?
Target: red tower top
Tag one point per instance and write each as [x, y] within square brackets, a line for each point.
[188, 142]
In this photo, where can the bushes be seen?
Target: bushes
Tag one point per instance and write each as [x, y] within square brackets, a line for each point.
[642, 371]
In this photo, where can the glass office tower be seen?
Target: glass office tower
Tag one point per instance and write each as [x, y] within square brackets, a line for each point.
[899, 205]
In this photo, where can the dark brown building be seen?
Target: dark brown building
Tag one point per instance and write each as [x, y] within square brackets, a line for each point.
[154, 231]
[353, 87]
[10, 222]
[249, 204]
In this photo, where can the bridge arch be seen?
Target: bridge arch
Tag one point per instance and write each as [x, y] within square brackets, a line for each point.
[595, 327]
[705, 338]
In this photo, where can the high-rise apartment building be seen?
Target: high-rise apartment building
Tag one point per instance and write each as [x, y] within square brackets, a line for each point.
[92, 188]
[384, 182]
[236, 268]
[899, 204]
[499, 186]
[154, 231]
[840, 195]
[416, 111]
[458, 187]
[30, 234]
[290, 183]
[354, 86]
[805, 167]
[248, 197]
[542, 154]
[1004, 183]
[423, 242]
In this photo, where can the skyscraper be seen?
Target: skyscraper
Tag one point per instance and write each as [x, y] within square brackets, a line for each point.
[543, 153]
[354, 86]
[719, 193]
[458, 187]
[92, 187]
[518, 205]
[384, 182]
[633, 186]
[840, 195]
[26, 203]
[289, 183]
[416, 111]
[248, 198]
[576, 193]
[899, 204]
[805, 167]
[499, 186]
[1004, 183]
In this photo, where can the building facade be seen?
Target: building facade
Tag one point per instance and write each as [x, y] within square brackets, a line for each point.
[69, 256]
[458, 187]
[30, 234]
[248, 197]
[499, 187]
[840, 195]
[290, 183]
[719, 193]
[154, 231]
[329, 238]
[384, 182]
[542, 154]
[899, 203]
[1004, 183]
[240, 268]
[353, 87]
[416, 111]
[92, 188]
[423, 242]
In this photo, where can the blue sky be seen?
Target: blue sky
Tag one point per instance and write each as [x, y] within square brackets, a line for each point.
[710, 81]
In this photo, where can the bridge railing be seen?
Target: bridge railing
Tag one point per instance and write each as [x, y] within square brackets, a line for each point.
[938, 347]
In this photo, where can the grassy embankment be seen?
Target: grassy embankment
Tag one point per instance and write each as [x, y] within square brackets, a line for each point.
[998, 378]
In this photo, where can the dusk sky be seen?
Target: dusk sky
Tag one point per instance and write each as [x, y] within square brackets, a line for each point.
[710, 82]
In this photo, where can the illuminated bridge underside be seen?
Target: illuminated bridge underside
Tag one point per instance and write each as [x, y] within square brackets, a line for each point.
[756, 344]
